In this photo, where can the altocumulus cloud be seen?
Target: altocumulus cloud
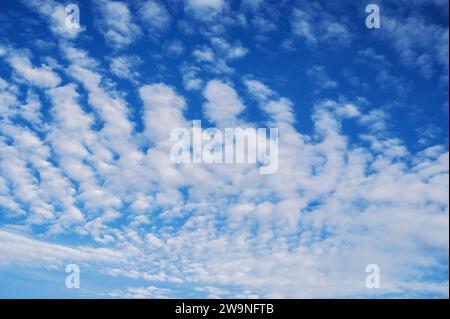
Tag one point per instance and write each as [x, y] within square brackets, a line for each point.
[86, 178]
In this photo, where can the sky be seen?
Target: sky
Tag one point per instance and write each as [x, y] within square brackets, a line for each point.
[86, 178]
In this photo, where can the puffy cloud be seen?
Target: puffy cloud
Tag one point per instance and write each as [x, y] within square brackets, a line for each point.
[174, 48]
[142, 293]
[89, 161]
[223, 104]
[116, 23]
[155, 15]
[204, 8]
[191, 80]
[320, 77]
[274, 226]
[230, 52]
[163, 110]
[280, 110]
[42, 76]
[123, 66]
[56, 14]
[418, 43]
[314, 25]
[215, 59]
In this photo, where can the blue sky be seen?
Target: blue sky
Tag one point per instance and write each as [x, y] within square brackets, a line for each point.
[86, 178]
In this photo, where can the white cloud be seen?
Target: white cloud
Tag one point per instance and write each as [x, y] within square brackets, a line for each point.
[155, 15]
[273, 226]
[406, 202]
[56, 14]
[19, 249]
[42, 76]
[258, 89]
[30, 111]
[320, 78]
[142, 293]
[116, 23]
[419, 43]
[228, 51]
[204, 54]
[174, 48]
[204, 8]
[93, 165]
[315, 26]
[124, 66]
[191, 79]
[162, 112]
[223, 104]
